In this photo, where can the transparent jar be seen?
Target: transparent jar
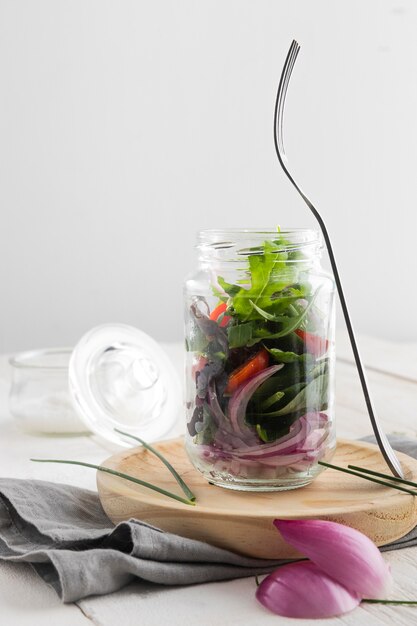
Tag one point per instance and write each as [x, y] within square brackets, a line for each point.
[39, 395]
[116, 380]
[259, 315]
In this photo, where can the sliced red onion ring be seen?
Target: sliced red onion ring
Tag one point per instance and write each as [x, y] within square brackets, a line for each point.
[289, 443]
[278, 460]
[240, 399]
[264, 447]
[301, 438]
[225, 435]
[317, 419]
[313, 441]
[216, 410]
[228, 441]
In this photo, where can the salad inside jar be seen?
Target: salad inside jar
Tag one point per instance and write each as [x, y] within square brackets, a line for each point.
[259, 409]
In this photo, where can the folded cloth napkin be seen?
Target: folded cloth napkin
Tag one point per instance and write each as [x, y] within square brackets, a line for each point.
[63, 532]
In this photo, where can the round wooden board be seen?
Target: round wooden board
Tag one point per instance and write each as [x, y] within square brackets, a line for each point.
[242, 521]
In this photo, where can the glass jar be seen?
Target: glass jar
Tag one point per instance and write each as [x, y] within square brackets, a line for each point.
[39, 396]
[116, 380]
[259, 316]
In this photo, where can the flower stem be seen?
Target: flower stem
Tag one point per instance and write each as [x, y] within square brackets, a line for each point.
[132, 479]
[373, 480]
[173, 471]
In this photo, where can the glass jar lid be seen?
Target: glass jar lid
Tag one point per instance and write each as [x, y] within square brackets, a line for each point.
[120, 378]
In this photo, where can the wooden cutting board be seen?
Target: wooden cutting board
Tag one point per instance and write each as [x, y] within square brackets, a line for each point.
[242, 521]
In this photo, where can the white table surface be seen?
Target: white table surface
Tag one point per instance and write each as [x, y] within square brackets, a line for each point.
[25, 599]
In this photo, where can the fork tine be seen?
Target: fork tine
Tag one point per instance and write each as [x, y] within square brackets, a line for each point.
[287, 76]
[293, 52]
[282, 91]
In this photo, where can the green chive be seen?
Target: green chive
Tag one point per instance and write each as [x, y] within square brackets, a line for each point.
[373, 480]
[173, 471]
[369, 601]
[388, 476]
[132, 479]
[257, 580]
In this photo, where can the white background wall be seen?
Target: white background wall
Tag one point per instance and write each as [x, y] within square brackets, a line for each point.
[126, 126]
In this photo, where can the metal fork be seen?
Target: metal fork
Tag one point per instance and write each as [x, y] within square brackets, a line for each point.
[383, 443]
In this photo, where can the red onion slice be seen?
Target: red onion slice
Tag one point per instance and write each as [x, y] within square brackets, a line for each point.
[276, 461]
[314, 441]
[296, 437]
[265, 447]
[225, 436]
[240, 399]
[303, 430]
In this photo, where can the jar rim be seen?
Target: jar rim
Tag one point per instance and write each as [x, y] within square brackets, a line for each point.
[304, 235]
[242, 242]
[42, 359]
[265, 230]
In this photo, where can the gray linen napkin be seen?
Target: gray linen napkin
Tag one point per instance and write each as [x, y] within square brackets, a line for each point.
[63, 532]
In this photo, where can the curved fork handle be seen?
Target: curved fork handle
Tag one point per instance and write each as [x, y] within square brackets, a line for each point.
[383, 443]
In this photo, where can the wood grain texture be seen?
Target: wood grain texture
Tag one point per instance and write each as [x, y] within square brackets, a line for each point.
[242, 522]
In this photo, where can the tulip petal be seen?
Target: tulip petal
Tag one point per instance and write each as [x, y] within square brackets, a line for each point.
[304, 590]
[344, 553]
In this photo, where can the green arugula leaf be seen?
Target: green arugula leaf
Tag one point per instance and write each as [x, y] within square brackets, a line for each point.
[269, 316]
[230, 289]
[239, 335]
[293, 324]
[311, 397]
[319, 369]
[276, 397]
[280, 356]
[262, 265]
[289, 380]
[220, 295]
[273, 429]
[269, 275]
[281, 301]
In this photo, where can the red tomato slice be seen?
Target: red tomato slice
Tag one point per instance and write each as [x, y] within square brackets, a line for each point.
[246, 371]
[219, 310]
[314, 344]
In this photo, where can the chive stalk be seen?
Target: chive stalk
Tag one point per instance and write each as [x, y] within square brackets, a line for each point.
[381, 475]
[364, 476]
[132, 479]
[187, 491]
[373, 601]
